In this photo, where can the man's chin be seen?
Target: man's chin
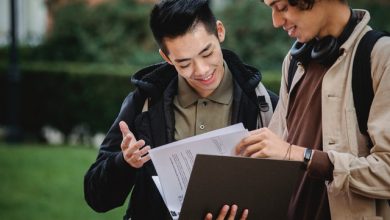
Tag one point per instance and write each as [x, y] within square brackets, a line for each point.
[302, 40]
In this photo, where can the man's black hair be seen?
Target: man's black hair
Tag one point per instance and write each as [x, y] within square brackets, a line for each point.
[173, 18]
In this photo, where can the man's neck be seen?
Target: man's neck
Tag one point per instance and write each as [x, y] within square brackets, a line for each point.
[338, 14]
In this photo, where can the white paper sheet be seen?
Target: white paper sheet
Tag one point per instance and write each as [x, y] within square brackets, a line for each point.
[174, 161]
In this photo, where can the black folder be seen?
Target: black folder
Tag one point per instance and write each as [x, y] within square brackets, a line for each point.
[263, 186]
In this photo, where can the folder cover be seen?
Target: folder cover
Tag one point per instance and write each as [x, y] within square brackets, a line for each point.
[263, 186]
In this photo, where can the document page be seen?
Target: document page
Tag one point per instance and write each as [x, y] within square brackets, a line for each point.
[174, 161]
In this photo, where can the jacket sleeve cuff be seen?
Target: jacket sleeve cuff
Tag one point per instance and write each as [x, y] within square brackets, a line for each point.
[320, 166]
[122, 165]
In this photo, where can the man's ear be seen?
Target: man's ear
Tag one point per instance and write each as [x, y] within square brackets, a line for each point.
[220, 31]
[165, 57]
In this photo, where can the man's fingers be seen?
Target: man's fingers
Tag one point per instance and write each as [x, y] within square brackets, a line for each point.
[134, 148]
[125, 129]
[134, 151]
[144, 150]
[254, 138]
[244, 215]
[252, 149]
[145, 159]
[126, 142]
[138, 161]
[223, 212]
[259, 154]
[139, 155]
[209, 216]
[239, 148]
[233, 212]
[244, 143]
[257, 131]
[247, 144]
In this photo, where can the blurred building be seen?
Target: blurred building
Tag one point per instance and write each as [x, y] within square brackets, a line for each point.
[34, 19]
[31, 19]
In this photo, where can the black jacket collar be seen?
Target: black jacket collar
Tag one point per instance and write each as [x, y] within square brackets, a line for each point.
[154, 79]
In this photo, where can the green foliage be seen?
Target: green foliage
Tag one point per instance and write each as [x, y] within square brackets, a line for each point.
[379, 13]
[42, 182]
[118, 32]
[112, 32]
[271, 80]
[63, 97]
[66, 91]
[250, 33]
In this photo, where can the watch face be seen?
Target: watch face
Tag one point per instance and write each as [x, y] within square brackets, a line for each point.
[307, 156]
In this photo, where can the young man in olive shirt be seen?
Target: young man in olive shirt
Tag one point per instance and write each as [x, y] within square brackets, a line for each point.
[199, 88]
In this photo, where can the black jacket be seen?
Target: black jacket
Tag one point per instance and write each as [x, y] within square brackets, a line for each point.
[110, 179]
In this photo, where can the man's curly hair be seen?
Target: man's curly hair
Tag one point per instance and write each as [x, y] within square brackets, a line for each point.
[304, 4]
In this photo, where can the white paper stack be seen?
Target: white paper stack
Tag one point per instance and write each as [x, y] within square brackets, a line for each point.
[174, 161]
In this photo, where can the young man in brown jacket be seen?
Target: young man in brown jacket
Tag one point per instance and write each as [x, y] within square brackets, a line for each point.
[315, 119]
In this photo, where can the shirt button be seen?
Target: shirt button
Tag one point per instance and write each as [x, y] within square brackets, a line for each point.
[201, 127]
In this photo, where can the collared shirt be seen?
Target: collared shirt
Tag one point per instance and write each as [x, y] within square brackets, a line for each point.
[196, 115]
[304, 122]
[353, 191]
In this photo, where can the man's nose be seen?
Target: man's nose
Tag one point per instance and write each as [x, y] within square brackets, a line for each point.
[277, 19]
[201, 68]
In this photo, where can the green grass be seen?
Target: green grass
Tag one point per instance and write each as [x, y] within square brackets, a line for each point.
[271, 80]
[46, 182]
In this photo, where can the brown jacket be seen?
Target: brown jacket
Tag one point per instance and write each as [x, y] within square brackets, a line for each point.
[361, 178]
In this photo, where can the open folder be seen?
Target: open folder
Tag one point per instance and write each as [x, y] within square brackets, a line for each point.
[263, 186]
[173, 162]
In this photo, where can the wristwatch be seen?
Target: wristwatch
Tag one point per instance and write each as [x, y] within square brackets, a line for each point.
[307, 157]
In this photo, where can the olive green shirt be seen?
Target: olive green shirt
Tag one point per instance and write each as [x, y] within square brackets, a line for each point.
[196, 115]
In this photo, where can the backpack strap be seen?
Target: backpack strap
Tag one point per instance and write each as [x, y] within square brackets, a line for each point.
[363, 92]
[266, 107]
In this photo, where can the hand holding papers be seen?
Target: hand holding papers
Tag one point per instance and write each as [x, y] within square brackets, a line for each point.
[174, 161]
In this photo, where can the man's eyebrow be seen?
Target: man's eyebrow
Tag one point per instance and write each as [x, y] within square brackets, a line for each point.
[186, 59]
[182, 60]
[205, 49]
[273, 2]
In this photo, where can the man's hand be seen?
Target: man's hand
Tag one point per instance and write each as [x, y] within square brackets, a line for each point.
[133, 151]
[262, 143]
[224, 212]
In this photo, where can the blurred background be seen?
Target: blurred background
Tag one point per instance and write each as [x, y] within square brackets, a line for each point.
[65, 67]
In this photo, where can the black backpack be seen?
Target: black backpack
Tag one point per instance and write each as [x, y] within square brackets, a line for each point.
[362, 90]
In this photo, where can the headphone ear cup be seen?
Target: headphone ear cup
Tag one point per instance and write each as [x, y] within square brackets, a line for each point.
[301, 51]
[326, 51]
